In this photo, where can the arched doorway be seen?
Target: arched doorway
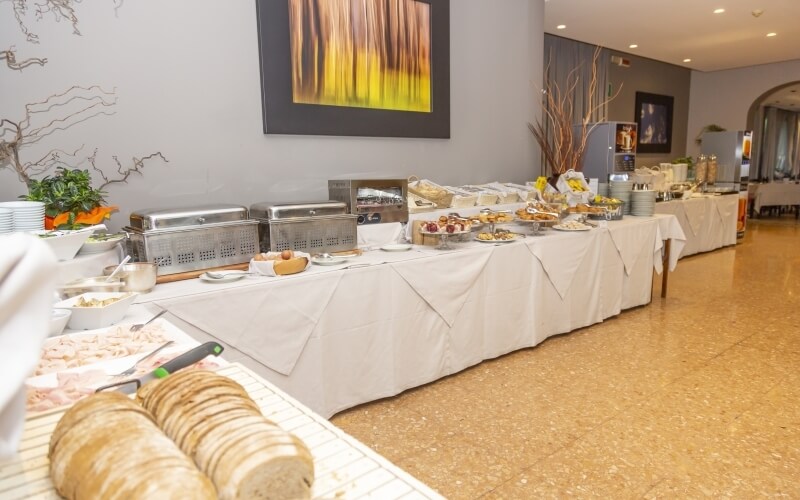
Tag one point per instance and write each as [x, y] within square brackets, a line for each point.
[774, 118]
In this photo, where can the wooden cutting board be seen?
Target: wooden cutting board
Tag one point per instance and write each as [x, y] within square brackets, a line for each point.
[169, 278]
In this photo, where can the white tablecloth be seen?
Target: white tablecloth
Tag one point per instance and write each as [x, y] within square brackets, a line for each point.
[709, 222]
[774, 194]
[335, 337]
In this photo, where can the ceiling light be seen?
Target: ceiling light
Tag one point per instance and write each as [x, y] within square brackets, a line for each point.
[632, 46]
[719, 11]
[772, 34]
[687, 60]
[561, 26]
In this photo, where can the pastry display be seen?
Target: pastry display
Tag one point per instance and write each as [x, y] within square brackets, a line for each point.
[582, 208]
[490, 217]
[496, 236]
[446, 225]
[572, 225]
[545, 212]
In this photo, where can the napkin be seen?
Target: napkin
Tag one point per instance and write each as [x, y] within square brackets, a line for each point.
[27, 283]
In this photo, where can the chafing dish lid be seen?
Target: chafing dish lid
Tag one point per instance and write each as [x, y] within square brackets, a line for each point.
[275, 211]
[169, 218]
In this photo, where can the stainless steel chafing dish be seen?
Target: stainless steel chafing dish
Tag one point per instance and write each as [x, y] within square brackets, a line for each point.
[313, 227]
[192, 238]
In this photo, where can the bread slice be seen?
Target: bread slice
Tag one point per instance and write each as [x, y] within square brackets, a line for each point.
[260, 470]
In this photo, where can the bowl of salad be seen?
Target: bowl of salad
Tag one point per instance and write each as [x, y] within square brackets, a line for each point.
[101, 242]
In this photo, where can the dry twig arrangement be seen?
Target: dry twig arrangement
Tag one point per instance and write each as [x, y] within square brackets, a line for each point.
[60, 112]
[562, 146]
[10, 56]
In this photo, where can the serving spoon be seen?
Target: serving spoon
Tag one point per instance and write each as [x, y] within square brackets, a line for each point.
[117, 270]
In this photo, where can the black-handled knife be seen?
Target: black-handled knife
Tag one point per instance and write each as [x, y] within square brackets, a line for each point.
[188, 358]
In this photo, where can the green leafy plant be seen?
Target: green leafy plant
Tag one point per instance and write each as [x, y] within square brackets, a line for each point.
[69, 190]
[712, 127]
[688, 160]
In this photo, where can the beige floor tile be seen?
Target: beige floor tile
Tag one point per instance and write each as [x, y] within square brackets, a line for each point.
[696, 395]
[458, 469]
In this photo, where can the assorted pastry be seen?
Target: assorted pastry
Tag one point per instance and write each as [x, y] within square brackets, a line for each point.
[541, 212]
[496, 236]
[446, 225]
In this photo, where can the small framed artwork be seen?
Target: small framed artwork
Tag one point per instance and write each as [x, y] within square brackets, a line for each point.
[377, 68]
[654, 120]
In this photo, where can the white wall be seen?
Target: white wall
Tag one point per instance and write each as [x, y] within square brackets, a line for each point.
[186, 75]
[724, 97]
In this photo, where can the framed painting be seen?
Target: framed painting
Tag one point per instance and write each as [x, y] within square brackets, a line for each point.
[378, 68]
[654, 120]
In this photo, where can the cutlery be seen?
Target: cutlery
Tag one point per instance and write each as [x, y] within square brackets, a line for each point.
[219, 276]
[119, 267]
[144, 358]
[188, 358]
[139, 326]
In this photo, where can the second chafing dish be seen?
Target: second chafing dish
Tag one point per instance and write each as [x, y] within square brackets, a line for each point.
[313, 227]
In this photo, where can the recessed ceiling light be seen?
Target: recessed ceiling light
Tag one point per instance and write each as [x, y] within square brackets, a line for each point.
[719, 11]
[687, 60]
[632, 46]
[772, 34]
[561, 26]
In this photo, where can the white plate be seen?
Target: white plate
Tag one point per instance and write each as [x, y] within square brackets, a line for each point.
[560, 228]
[330, 261]
[229, 276]
[396, 247]
[497, 241]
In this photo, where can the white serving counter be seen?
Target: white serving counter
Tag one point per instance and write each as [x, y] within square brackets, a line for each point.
[709, 222]
[335, 337]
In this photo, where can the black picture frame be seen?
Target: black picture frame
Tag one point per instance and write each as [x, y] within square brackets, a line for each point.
[654, 122]
[282, 116]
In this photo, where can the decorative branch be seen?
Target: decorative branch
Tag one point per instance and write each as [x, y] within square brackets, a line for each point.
[555, 133]
[11, 60]
[124, 172]
[61, 9]
[75, 105]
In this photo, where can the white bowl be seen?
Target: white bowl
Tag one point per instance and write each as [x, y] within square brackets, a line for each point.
[89, 318]
[58, 320]
[65, 244]
[101, 245]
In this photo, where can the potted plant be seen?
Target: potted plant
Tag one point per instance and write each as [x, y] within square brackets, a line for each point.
[70, 200]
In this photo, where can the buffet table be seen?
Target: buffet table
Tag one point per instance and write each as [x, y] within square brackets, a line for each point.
[773, 194]
[708, 221]
[335, 337]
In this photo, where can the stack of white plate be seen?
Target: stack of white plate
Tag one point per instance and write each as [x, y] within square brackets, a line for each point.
[643, 203]
[602, 189]
[621, 190]
[28, 215]
[6, 220]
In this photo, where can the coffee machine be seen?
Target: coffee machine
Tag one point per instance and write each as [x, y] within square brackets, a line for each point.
[610, 149]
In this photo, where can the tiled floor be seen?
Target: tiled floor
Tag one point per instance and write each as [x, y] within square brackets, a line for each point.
[696, 395]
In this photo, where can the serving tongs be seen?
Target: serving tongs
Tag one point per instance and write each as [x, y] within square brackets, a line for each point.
[188, 358]
[534, 210]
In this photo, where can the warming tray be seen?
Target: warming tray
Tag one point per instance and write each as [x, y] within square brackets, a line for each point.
[277, 211]
[152, 219]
